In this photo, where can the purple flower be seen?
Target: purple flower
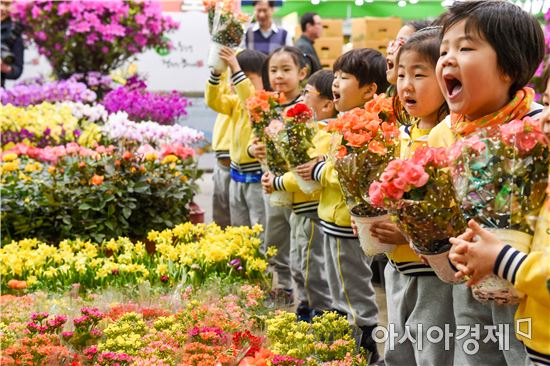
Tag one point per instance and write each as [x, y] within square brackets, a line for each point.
[235, 262]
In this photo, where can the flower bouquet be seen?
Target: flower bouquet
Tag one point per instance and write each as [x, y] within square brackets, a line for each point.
[227, 30]
[294, 141]
[420, 194]
[265, 114]
[365, 141]
[500, 179]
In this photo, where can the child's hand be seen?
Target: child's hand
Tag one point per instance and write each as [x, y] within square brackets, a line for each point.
[228, 55]
[267, 182]
[474, 253]
[258, 149]
[388, 233]
[354, 226]
[305, 171]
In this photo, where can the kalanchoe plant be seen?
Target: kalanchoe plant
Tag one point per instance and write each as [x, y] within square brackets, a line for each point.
[99, 36]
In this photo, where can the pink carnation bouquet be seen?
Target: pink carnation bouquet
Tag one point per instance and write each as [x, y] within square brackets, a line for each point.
[420, 195]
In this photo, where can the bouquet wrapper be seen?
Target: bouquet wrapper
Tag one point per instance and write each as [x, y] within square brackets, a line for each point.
[280, 199]
[371, 245]
[306, 186]
[501, 182]
[494, 288]
[428, 229]
[214, 61]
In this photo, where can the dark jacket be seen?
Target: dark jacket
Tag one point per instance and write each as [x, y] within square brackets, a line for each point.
[306, 46]
[11, 36]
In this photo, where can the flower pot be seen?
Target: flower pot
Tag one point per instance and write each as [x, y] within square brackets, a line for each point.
[280, 199]
[440, 264]
[306, 186]
[494, 288]
[214, 61]
[196, 214]
[370, 244]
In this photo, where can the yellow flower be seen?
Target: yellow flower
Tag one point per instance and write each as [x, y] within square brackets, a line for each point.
[11, 166]
[31, 167]
[271, 251]
[51, 170]
[169, 159]
[151, 157]
[9, 157]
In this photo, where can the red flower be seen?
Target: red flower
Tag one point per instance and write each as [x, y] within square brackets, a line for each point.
[298, 110]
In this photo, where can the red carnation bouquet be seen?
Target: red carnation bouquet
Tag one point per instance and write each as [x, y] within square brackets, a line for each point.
[293, 140]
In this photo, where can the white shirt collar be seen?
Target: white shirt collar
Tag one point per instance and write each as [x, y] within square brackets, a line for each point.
[274, 28]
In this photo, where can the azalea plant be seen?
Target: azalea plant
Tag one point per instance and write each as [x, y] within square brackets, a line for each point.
[71, 191]
[501, 178]
[142, 105]
[419, 191]
[366, 140]
[84, 36]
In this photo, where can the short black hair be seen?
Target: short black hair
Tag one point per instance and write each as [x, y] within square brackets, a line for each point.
[418, 24]
[322, 82]
[271, 4]
[367, 65]
[307, 18]
[515, 35]
[251, 61]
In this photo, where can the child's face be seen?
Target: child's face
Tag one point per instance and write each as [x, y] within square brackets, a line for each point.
[393, 48]
[322, 107]
[469, 75]
[284, 74]
[348, 94]
[417, 86]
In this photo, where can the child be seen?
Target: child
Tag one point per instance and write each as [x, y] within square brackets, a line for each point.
[358, 75]
[528, 272]
[414, 293]
[287, 67]
[221, 141]
[306, 248]
[489, 51]
[245, 191]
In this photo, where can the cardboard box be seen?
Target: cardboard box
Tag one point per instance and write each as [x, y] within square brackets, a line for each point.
[329, 48]
[380, 45]
[327, 63]
[333, 28]
[371, 28]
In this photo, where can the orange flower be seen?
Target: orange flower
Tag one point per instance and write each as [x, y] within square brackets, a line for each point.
[81, 164]
[97, 180]
[342, 151]
[17, 285]
[357, 139]
[379, 103]
[127, 155]
[377, 147]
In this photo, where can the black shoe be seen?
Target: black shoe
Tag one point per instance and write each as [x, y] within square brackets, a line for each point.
[304, 312]
[339, 312]
[369, 345]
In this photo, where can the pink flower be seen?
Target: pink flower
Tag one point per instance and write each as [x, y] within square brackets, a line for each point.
[414, 174]
[376, 194]
[392, 191]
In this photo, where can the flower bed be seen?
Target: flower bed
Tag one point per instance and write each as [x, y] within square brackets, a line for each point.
[70, 191]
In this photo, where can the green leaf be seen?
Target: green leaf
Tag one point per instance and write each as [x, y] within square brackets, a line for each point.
[84, 206]
[126, 212]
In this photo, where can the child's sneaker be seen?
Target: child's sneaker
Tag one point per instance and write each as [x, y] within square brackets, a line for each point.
[304, 312]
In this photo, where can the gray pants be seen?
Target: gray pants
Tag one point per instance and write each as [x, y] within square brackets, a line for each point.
[349, 278]
[220, 200]
[469, 313]
[307, 262]
[246, 204]
[277, 234]
[417, 303]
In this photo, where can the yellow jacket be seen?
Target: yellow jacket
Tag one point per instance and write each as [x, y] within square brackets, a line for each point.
[301, 202]
[403, 257]
[239, 126]
[221, 135]
[528, 272]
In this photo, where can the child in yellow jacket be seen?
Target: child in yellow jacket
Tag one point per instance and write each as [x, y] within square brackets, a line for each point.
[489, 51]
[245, 191]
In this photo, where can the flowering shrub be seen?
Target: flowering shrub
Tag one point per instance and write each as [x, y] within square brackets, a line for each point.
[49, 124]
[83, 36]
[141, 105]
[188, 253]
[70, 191]
[25, 94]
[124, 132]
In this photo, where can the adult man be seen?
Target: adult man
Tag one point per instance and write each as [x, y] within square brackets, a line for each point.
[11, 64]
[312, 28]
[264, 35]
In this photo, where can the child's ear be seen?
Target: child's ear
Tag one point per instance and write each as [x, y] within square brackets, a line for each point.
[369, 90]
[328, 106]
[303, 73]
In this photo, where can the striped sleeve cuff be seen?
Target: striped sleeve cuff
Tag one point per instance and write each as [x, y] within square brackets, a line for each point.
[214, 79]
[278, 184]
[318, 171]
[508, 262]
[238, 77]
